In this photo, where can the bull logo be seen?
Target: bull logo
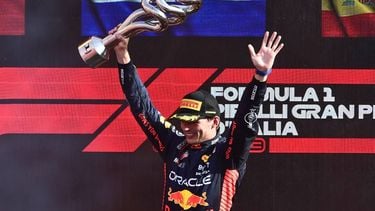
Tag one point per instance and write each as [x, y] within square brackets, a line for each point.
[186, 199]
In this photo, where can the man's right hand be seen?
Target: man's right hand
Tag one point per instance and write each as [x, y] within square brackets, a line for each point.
[121, 49]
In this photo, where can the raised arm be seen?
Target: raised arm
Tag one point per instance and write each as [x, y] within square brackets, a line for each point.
[244, 127]
[157, 129]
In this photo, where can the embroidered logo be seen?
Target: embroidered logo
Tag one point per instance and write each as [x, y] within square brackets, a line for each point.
[186, 199]
[250, 118]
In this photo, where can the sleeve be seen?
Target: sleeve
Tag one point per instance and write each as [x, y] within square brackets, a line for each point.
[244, 127]
[157, 129]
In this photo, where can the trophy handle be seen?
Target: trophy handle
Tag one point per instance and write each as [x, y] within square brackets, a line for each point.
[93, 52]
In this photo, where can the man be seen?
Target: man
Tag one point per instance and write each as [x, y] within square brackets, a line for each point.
[202, 168]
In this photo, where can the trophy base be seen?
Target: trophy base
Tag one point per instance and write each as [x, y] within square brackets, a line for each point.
[93, 52]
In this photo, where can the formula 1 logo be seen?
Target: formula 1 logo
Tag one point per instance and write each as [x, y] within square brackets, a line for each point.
[90, 101]
[87, 101]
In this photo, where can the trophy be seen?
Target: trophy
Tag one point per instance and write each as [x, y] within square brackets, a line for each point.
[155, 15]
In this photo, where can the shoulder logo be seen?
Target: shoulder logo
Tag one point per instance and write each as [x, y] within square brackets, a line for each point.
[250, 118]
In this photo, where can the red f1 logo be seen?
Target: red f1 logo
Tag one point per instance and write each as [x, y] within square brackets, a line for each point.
[87, 101]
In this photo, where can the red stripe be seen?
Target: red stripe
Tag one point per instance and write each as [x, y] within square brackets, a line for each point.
[102, 83]
[360, 25]
[331, 25]
[63, 83]
[12, 17]
[66, 83]
[52, 118]
[322, 145]
[122, 135]
[228, 189]
[302, 76]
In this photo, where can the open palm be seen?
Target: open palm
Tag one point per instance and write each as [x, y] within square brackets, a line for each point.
[264, 59]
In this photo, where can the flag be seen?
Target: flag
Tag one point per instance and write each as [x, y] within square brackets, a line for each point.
[348, 18]
[12, 17]
[218, 18]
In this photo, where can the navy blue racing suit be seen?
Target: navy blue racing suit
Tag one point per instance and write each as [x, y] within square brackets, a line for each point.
[202, 176]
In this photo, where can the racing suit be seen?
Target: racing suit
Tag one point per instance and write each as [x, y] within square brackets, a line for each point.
[202, 176]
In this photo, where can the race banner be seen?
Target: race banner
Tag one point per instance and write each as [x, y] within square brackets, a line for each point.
[348, 18]
[238, 18]
[305, 110]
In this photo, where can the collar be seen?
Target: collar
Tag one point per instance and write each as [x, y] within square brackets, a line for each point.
[205, 144]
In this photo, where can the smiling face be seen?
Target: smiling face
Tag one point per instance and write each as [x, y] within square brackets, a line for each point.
[200, 130]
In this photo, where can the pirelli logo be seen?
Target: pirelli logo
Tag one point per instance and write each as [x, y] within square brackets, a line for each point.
[191, 104]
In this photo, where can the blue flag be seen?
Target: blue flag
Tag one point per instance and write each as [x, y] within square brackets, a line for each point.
[215, 18]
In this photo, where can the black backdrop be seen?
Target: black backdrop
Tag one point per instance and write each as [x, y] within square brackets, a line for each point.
[50, 172]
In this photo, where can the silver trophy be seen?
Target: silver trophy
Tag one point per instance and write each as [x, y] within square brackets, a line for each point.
[155, 15]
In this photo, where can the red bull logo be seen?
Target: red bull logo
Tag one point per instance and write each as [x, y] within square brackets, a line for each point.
[186, 199]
